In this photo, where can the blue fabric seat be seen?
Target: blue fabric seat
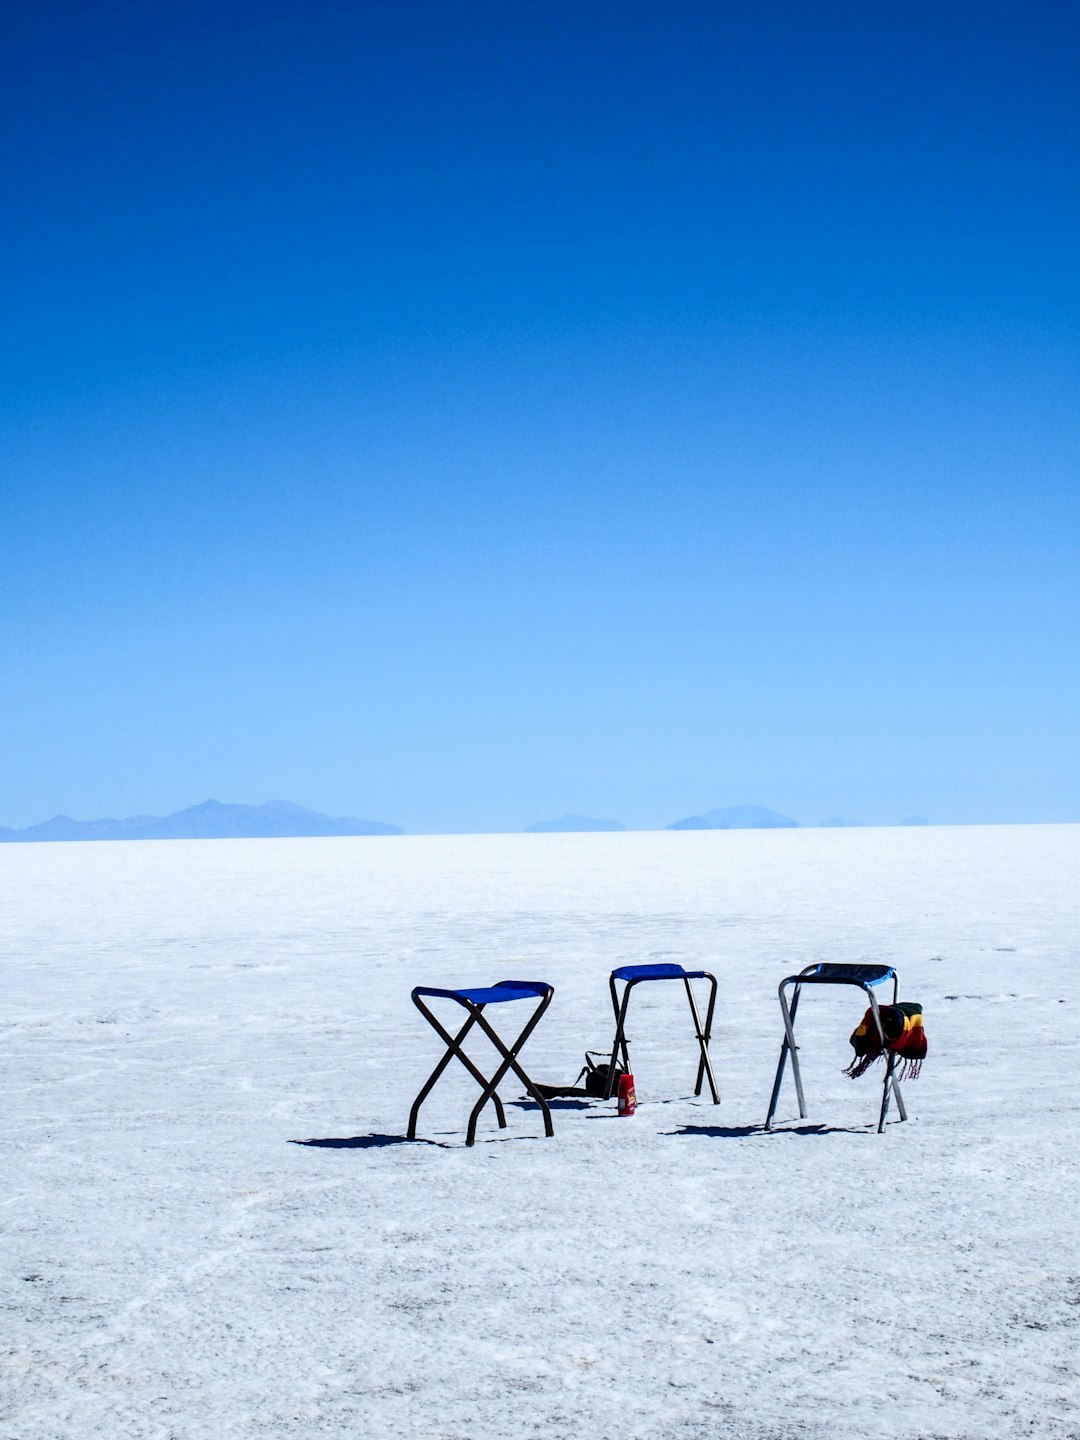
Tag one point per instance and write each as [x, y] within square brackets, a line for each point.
[657, 972]
[496, 994]
[829, 974]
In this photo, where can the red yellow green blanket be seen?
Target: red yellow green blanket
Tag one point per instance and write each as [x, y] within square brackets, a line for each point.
[904, 1037]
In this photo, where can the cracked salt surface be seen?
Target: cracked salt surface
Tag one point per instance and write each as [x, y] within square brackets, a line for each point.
[179, 1012]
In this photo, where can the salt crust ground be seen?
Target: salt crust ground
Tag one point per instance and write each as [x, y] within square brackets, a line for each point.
[177, 1013]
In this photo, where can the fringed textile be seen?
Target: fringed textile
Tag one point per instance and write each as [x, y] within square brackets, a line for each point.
[904, 1037]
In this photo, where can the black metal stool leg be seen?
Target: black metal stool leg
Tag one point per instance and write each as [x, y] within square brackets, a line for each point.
[704, 1063]
[453, 1044]
[510, 1062]
[708, 1033]
[433, 1078]
[619, 1043]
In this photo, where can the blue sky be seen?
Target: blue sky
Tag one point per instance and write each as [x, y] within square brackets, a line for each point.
[456, 414]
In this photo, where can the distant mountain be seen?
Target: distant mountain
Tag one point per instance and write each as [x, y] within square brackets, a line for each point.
[62, 827]
[571, 823]
[914, 820]
[209, 821]
[737, 817]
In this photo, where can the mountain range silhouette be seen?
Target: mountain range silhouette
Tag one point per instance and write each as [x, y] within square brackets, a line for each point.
[211, 820]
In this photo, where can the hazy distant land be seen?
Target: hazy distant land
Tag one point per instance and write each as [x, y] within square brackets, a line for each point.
[737, 817]
[209, 821]
[213, 820]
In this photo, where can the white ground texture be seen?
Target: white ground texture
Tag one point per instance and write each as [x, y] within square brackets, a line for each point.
[178, 1013]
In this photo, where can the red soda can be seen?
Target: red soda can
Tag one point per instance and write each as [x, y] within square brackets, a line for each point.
[627, 1096]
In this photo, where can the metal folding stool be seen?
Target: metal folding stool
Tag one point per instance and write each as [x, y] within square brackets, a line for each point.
[475, 1001]
[863, 976]
[632, 975]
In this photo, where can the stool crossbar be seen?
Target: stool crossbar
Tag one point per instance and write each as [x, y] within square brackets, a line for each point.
[632, 975]
[865, 977]
[475, 1001]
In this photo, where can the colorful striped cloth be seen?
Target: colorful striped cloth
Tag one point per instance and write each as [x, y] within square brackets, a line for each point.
[904, 1037]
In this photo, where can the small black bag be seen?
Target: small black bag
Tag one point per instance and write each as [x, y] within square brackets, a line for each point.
[595, 1074]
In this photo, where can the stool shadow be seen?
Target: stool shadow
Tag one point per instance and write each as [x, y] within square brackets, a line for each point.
[365, 1142]
[743, 1132]
[821, 1130]
[552, 1104]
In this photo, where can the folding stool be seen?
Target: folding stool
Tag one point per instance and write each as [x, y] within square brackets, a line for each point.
[865, 977]
[632, 975]
[475, 1001]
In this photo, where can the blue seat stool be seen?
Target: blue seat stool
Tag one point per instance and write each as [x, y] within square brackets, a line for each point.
[633, 975]
[475, 1001]
[865, 977]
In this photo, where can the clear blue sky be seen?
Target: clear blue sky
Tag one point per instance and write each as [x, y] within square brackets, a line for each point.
[458, 413]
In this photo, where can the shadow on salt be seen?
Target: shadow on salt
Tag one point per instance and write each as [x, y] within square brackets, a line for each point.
[365, 1142]
[743, 1132]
